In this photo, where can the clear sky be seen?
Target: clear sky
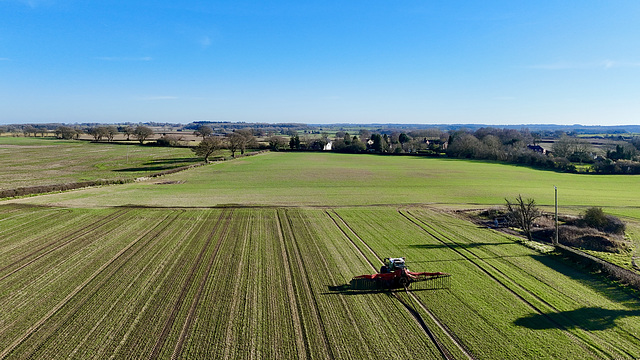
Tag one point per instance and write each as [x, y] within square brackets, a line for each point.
[357, 61]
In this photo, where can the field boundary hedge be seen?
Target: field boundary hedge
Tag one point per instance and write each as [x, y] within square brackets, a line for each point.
[615, 271]
[40, 189]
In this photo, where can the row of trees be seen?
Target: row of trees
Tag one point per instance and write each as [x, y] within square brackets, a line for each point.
[99, 133]
[514, 146]
[506, 145]
[141, 133]
[26, 130]
[259, 129]
[431, 140]
[239, 140]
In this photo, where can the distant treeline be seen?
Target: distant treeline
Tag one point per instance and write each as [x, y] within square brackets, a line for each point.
[545, 129]
[568, 152]
[619, 156]
[617, 153]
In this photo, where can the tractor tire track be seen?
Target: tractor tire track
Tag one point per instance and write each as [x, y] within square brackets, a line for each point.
[166, 296]
[328, 271]
[445, 354]
[301, 340]
[241, 249]
[190, 317]
[436, 235]
[118, 301]
[165, 270]
[454, 339]
[415, 315]
[79, 288]
[186, 286]
[19, 237]
[155, 231]
[53, 247]
[587, 333]
[307, 287]
[30, 219]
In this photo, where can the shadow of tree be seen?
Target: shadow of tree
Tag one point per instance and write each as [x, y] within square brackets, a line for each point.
[588, 318]
[172, 161]
[161, 164]
[146, 168]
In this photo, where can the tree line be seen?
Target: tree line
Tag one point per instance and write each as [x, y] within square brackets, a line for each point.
[568, 151]
[239, 140]
[99, 133]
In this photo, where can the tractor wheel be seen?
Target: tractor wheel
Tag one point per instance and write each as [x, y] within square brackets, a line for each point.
[404, 282]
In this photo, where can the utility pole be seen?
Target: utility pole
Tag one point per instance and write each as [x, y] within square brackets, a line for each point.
[555, 240]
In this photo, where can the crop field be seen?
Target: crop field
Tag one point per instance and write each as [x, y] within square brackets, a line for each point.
[239, 283]
[329, 179]
[248, 259]
[46, 161]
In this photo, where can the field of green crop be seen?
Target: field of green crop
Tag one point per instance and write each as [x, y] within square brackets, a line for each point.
[46, 161]
[243, 283]
[240, 260]
[322, 179]
[328, 179]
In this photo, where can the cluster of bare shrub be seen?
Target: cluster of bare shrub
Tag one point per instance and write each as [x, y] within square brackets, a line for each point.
[593, 230]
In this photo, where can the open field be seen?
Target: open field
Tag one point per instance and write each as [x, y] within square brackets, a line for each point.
[329, 179]
[38, 161]
[235, 260]
[253, 283]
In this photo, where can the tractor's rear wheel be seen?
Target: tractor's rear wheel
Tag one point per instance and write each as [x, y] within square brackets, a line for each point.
[404, 282]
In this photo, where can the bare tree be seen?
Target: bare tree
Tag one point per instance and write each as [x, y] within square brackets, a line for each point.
[111, 132]
[27, 130]
[523, 213]
[98, 132]
[129, 130]
[78, 132]
[277, 142]
[364, 135]
[235, 142]
[65, 132]
[204, 131]
[207, 147]
[567, 146]
[241, 140]
[142, 133]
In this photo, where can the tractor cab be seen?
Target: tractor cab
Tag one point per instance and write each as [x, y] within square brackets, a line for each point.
[393, 264]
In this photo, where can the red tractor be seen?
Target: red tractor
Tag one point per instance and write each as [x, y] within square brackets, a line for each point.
[395, 274]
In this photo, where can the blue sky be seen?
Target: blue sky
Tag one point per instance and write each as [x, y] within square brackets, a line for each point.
[429, 62]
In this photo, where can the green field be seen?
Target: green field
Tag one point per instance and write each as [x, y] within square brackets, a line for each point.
[254, 283]
[46, 161]
[237, 260]
[329, 179]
